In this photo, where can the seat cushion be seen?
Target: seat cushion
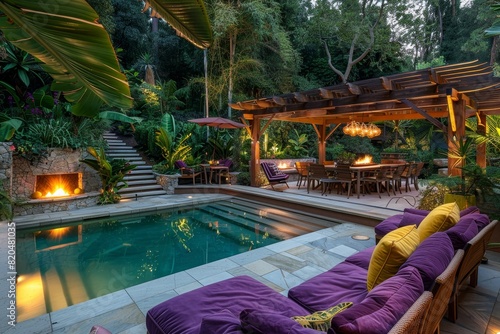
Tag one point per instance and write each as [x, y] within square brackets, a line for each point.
[361, 258]
[388, 225]
[382, 307]
[345, 282]
[431, 257]
[390, 253]
[440, 219]
[185, 313]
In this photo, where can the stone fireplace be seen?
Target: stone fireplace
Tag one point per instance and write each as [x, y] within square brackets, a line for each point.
[61, 170]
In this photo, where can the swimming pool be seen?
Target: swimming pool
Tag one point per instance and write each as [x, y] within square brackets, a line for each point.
[59, 266]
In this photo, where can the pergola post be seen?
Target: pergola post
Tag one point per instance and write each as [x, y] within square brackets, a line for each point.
[255, 152]
[481, 148]
[321, 143]
[456, 131]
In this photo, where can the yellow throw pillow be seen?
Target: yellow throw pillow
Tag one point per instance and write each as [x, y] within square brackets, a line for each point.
[440, 219]
[321, 320]
[390, 253]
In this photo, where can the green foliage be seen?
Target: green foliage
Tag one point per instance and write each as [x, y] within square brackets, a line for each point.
[244, 179]
[111, 172]
[298, 145]
[221, 145]
[433, 195]
[173, 145]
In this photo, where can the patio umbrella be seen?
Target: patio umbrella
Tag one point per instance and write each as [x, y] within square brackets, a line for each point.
[218, 122]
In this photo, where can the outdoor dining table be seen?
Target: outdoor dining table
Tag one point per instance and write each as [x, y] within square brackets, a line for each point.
[217, 169]
[360, 169]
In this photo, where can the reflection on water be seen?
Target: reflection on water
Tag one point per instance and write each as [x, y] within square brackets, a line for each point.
[70, 264]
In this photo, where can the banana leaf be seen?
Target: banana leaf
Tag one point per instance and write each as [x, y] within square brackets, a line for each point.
[72, 47]
[189, 18]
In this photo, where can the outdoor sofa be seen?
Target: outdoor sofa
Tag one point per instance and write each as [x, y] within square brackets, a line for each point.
[399, 284]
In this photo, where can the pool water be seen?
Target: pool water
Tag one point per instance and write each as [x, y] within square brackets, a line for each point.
[65, 265]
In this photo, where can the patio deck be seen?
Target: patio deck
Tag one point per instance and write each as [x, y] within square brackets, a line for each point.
[281, 266]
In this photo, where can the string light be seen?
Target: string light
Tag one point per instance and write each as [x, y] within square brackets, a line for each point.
[354, 128]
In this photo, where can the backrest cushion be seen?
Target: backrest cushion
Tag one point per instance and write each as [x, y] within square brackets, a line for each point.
[463, 232]
[390, 253]
[256, 321]
[469, 210]
[440, 219]
[416, 211]
[382, 307]
[223, 322]
[481, 219]
[431, 257]
[411, 219]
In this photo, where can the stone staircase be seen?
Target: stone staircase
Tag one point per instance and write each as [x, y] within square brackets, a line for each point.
[141, 181]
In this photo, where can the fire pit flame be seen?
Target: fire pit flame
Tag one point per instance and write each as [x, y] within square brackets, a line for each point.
[58, 193]
[366, 160]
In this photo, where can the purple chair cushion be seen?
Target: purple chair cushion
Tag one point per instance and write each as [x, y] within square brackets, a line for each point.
[462, 232]
[346, 282]
[388, 225]
[469, 210]
[265, 322]
[414, 211]
[99, 330]
[382, 307]
[184, 313]
[481, 219]
[411, 219]
[431, 257]
[180, 164]
[361, 258]
[223, 322]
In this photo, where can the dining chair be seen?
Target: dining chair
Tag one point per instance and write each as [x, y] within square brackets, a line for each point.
[407, 175]
[418, 169]
[379, 179]
[345, 178]
[395, 178]
[301, 167]
[315, 174]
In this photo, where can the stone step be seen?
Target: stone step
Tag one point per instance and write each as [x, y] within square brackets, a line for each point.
[121, 151]
[118, 148]
[141, 162]
[145, 176]
[117, 144]
[139, 189]
[129, 158]
[143, 194]
[135, 183]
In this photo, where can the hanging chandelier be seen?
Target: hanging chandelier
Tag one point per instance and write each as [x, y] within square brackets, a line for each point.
[354, 128]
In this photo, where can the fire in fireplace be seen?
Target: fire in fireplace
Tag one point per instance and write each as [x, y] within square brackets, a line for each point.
[57, 185]
[365, 160]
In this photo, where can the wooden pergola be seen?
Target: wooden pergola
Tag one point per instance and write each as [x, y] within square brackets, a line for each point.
[456, 92]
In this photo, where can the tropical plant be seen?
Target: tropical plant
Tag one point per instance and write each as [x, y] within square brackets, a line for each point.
[173, 145]
[297, 147]
[111, 172]
[67, 41]
[6, 204]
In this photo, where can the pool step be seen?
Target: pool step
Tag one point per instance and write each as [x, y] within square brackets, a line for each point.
[141, 180]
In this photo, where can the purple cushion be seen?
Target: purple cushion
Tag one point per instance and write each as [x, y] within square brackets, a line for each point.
[223, 322]
[184, 313]
[382, 307]
[431, 257]
[411, 219]
[388, 225]
[462, 232]
[469, 210]
[99, 330]
[361, 258]
[262, 322]
[481, 220]
[180, 164]
[345, 282]
[414, 211]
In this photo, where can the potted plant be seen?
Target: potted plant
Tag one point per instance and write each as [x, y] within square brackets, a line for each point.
[346, 158]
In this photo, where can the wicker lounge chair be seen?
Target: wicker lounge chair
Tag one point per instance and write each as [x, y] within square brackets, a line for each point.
[273, 174]
[187, 172]
[412, 319]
